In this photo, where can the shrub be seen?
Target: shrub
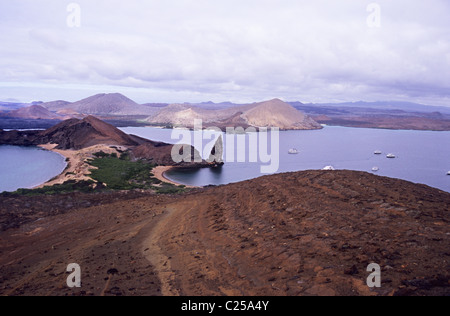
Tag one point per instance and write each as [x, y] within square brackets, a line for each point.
[101, 154]
[119, 174]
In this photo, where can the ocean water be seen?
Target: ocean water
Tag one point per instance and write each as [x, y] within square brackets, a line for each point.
[27, 167]
[422, 156]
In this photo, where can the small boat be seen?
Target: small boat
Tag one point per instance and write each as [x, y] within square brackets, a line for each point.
[293, 151]
[448, 173]
[329, 168]
[378, 152]
[375, 169]
[391, 156]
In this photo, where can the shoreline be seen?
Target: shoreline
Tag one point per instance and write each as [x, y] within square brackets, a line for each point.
[72, 162]
[160, 171]
[77, 168]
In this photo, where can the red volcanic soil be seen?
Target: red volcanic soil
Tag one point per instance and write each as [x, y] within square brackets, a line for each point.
[90, 131]
[305, 233]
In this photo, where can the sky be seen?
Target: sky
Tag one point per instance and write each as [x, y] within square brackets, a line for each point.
[226, 50]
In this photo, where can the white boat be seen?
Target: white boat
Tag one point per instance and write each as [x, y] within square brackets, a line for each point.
[375, 169]
[448, 173]
[378, 152]
[293, 151]
[391, 156]
[329, 168]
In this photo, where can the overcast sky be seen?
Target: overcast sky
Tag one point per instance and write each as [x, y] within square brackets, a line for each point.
[226, 50]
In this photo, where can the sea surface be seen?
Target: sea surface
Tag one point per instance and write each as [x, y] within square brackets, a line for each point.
[422, 156]
[27, 167]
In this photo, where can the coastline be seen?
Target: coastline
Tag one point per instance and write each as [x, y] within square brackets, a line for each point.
[159, 173]
[77, 168]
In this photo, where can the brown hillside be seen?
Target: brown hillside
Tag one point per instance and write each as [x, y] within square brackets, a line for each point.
[304, 233]
[307, 233]
[78, 134]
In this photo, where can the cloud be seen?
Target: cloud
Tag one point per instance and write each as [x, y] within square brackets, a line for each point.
[321, 50]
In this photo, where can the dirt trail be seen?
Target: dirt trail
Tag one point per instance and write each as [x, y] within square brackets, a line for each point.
[313, 234]
[154, 252]
[306, 233]
[188, 261]
[104, 240]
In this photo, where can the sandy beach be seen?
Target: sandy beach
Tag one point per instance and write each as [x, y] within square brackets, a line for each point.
[77, 168]
[159, 172]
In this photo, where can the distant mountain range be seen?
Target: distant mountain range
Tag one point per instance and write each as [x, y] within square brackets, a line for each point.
[273, 113]
[116, 107]
[118, 104]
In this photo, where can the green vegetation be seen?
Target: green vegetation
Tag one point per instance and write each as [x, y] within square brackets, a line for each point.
[167, 188]
[101, 154]
[110, 173]
[125, 156]
[66, 187]
[122, 173]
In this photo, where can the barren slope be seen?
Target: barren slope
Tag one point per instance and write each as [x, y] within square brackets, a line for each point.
[310, 233]
[77, 134]
[305, 233]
